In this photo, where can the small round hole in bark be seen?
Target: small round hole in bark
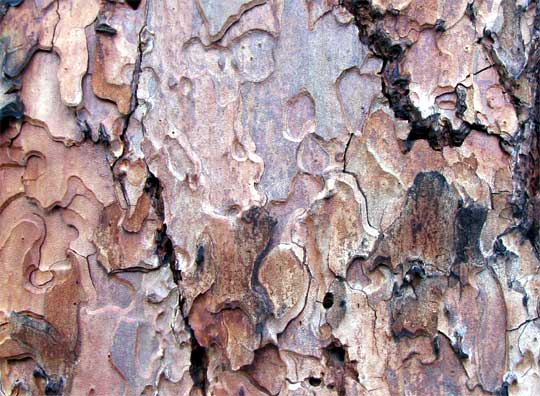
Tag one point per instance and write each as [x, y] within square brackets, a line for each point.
[134, 3]
[313, 381]
[328, 300]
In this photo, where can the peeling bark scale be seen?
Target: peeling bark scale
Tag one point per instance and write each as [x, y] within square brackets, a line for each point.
[269, 197]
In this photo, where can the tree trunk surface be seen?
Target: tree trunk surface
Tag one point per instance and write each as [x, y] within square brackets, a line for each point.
[269, 197]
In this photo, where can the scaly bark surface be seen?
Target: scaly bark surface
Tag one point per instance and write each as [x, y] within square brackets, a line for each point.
[269, 197]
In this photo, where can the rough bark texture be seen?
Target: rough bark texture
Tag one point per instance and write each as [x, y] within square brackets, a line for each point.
[269, 197]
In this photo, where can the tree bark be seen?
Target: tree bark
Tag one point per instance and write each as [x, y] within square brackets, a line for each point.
[269, 197]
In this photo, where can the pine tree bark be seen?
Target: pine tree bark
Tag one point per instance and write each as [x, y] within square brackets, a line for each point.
[269, 197]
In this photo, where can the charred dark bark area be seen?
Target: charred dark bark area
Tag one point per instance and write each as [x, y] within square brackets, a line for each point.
[436, 128]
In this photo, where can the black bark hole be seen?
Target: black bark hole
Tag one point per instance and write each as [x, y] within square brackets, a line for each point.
[134, 3]
[200, 255]
[198, 367]
[337, 354]
[328, 300]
